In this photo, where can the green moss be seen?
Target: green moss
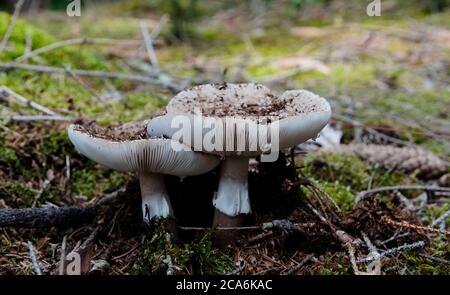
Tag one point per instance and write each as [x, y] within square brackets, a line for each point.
[17, 192]
[93, 180]
[419, 265]
[334, 265]
[8, 155]
[197, 256]
[38, 37]
[342, 195]
[348, 171]
[56, 143]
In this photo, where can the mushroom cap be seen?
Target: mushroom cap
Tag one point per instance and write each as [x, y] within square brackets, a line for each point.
[301, 114]
[130, 152]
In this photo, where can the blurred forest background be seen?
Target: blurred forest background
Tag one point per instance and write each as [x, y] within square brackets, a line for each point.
[386, 77]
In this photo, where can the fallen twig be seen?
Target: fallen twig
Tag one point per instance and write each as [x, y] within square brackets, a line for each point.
[361, 195]
[6, 92]
[31, 118]
[164, 79]
[418, 228]
[61, 217]
[11, 25]
[282, 224]
[260, 236]
[441, 220]
[395, 237]
[373, 253]
[435, 259]
[370, 130]
[87, 87]
[149, 44]
[157, 30]
[36, 267]
[299, 265]
[88, 73]
[405, 247]
[46, 216]
[62, 260]
[81, 41]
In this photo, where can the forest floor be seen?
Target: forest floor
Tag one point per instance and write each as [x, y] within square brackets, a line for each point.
[386, 79]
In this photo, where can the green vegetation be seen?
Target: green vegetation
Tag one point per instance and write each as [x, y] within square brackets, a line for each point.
[195, 257]
[381, 71]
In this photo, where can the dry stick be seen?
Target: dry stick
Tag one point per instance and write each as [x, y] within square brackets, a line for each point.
[435, 259]
[163, 78]
[266, 225]
[361, 195]
[11, 25]
[88, 88]
[61, 217]
[441, 220]
[356, 123]
[87, 73]
[36, 267]
[7, 92]
[261, 236]
[298, 266]
[414, 227]
[76, 41]
[34, 118]
[395, 237]
[148, 44]
[28, 42]
[46, 216]
[405, 247]
[157, 30]
[114, 92]
[62, 261]
[344, 238]
[373, 253]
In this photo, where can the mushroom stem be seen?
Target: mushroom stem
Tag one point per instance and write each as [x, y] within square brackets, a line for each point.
[155, 200]
[232, 195]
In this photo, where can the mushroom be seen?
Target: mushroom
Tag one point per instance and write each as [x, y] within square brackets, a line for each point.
[128, 148]
[299, 115]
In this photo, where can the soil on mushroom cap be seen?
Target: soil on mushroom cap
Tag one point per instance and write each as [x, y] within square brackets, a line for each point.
[129, 131]
[249, 101]
[231, 100]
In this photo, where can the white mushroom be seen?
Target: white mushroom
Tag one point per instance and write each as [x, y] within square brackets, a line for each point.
[128, 148]
[299, 114]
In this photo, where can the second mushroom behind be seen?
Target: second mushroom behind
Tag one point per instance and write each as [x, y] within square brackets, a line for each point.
[236, 122]
[128, 148]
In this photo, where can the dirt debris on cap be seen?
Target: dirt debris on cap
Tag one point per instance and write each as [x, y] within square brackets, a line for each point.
[125, 132]
[235, 100]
